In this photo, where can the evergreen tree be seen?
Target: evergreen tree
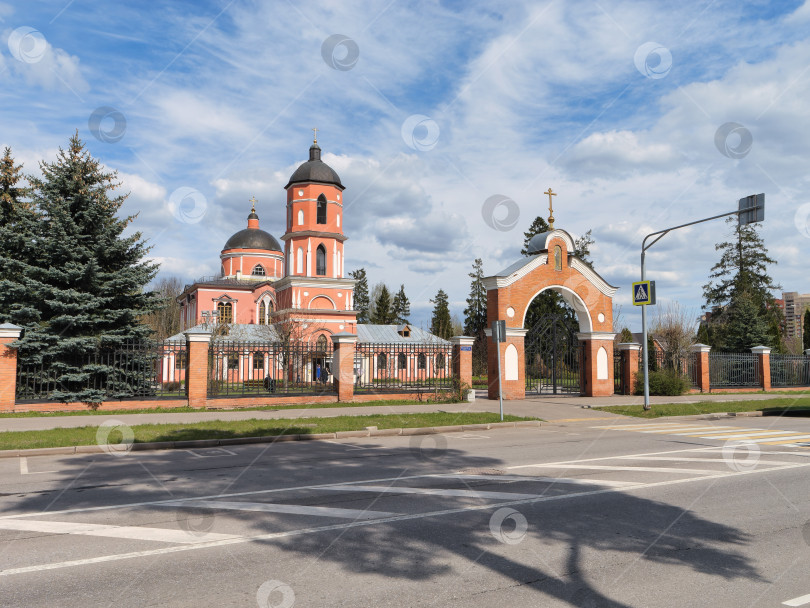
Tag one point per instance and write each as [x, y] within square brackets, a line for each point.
[361, 299]
[744, 326]
[806, 334]
[441, 324]
[582, 248]
[626, 335]
[539, 226]
[401, 307]
[382, 314]
[88, 281]
[475, 315]
[742, 274]
[18, 222]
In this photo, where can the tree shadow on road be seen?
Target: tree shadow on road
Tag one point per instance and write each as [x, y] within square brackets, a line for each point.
[549, 548]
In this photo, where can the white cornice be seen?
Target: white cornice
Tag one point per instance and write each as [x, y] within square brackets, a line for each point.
[498, 282]
[596, 335]
[313, 283]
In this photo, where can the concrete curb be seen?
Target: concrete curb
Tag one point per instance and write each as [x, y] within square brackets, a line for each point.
[210, 443]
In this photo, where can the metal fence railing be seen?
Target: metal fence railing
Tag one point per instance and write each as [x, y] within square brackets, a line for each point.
[733, 370]
[250, 368]
[133, 370]
[403, 367]
[659, 360]
[618, 384]
[790, 370]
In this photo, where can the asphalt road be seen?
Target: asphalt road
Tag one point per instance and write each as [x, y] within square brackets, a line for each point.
[647, 514]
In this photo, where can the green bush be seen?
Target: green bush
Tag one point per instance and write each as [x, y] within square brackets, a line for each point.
[666, 382]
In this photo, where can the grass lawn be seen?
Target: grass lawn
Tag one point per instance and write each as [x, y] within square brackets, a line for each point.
[799, 405]
[185, 409]
[219, 429]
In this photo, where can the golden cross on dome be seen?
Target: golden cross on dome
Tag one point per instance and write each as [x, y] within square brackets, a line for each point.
[550, 208]
[253, 202]
[315, 138]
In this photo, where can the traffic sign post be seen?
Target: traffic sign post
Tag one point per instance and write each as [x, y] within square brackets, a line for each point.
[750, 210]
[644, 293]
[499, 336]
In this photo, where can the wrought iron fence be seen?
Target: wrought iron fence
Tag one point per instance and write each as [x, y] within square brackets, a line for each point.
[733, 370]
[133, 370]
[618, 376]
[659, 360]
[790, 370]
[252, 368]
[402, 367]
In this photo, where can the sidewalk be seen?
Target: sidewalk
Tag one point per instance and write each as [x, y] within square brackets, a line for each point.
[551, 408]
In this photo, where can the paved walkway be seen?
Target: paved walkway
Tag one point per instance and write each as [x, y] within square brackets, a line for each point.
[549, 407]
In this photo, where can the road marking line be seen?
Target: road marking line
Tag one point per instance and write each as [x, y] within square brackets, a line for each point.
[716, 460]
[798, 601]
[754, 435]
[24, 468]
[164, 535]
[368, 522]
[148, 503]
[609, 468]
[738, 432]
[698, 429]
[430, 491]
[529, 478]
[772, 440]
[279, 508]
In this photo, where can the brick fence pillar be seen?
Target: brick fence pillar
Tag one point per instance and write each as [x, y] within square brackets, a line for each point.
[597, 366]
[198, 340]
[343, 364]
[630, 352]
[701, 354]
[513, 364]
[8, 366]
[462, 360]
[764, 355]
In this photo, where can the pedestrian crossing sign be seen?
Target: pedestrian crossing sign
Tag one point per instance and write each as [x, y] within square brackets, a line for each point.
[643, 293]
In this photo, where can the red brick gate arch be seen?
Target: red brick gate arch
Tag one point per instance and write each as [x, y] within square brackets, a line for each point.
[551, 265]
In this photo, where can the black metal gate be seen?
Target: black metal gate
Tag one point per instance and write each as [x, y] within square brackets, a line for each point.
[552, 356]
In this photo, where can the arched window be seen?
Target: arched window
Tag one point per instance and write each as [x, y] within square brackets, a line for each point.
[262, 313]
[258, 270]
[321, 216]
[300, 261]
[382, 361]
[440, 361]
[224, 312]
[321, 343]
[258, 360]
[402, 361]
[180, 360]
[338, 220]
[421, 361]
[300, 217]
[320, 261]
[558, 258]
[222, 270]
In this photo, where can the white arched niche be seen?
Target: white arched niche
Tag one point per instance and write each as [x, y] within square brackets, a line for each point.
[573, 300]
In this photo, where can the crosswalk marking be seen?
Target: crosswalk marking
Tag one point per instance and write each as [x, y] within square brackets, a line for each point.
[719, 433]
[431, 491]
[279, 508]
[798, 601]
[165, 535]
[619, 468]
[564, 480]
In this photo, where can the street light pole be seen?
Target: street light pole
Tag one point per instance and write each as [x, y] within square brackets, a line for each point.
[751, 210]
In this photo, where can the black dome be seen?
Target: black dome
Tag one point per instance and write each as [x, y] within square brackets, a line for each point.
[252, 238]
[315, 170]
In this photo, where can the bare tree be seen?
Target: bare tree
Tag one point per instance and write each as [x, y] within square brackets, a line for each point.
[165, 321]
[675, 329]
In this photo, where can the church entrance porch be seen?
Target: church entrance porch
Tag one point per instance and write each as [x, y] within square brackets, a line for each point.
[553, 356]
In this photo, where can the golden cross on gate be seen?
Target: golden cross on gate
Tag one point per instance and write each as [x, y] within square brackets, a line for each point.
[550, 208]
[315, 138]
[253, 202]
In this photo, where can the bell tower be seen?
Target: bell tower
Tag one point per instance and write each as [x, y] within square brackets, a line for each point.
[314, 274]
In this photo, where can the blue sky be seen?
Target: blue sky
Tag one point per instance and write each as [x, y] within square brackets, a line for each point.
[614, 105]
